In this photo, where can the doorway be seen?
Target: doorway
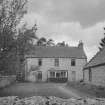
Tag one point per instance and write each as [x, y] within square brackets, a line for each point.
[39, 76]
[73, 75]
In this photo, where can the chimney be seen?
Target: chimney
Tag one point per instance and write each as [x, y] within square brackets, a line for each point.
[80, 45]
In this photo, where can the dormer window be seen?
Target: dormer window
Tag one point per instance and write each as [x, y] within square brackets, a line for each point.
[40, 62]
[73, 62]
[56, 62]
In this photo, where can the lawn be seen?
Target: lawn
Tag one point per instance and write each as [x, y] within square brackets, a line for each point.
[34, 89]
[92, 90]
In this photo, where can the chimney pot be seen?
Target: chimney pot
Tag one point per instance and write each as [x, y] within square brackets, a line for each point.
[80, 45]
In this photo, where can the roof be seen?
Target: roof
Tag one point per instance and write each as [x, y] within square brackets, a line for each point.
[55, 51]
[98, 59]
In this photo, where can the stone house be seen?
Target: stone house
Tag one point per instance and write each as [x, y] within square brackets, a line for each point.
[55, 64]
[94, 70]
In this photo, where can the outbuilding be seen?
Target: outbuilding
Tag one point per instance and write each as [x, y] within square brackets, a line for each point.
[94, 70]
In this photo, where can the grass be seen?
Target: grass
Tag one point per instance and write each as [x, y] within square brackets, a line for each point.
[97, 91]
[33, 89]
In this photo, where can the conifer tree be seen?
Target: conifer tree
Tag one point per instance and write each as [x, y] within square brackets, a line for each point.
[102, 43]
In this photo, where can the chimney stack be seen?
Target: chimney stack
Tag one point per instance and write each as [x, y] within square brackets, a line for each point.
[80, 45]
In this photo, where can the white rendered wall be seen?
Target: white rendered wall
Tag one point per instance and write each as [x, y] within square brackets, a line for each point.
[64, 64]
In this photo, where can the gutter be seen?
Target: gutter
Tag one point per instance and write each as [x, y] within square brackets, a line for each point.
[102, 64]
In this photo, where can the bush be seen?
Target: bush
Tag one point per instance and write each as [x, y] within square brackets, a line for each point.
[20, 77]
[81, 80]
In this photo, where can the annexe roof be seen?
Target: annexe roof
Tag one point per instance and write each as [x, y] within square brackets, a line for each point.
[55, 51]
[98, 59]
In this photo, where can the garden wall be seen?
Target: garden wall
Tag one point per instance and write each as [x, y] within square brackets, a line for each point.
[6, 80]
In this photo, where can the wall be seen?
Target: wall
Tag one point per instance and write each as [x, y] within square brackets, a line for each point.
[6, 80]
[86, 75]
[98, 75]
[64, 64]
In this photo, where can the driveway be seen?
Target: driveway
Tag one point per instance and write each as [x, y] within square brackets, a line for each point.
[39, 89]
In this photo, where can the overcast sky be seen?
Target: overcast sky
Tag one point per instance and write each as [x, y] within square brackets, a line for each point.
[70, 21]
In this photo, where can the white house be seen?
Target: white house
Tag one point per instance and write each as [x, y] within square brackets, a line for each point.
[55, 64]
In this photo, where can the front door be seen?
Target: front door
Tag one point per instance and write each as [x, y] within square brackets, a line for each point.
[39, 76]
[73, 75]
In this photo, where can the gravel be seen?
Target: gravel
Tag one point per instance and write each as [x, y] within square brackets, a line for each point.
[50, 100]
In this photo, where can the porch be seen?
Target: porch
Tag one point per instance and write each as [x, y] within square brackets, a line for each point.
[57, 76]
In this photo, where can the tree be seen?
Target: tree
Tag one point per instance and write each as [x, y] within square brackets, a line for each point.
[41, 42]
[45, 42]
[102, 43]
[25, 39]
[50, 42]
[24, 43]
[11, 12]
[61, 44]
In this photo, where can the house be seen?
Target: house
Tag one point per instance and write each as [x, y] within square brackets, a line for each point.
[55, 64]
[94, 70]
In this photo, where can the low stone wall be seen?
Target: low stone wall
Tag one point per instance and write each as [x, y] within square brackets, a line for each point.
[50, 100]
[6, 80]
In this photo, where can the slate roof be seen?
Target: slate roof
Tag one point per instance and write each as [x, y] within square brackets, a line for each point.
[97, 60]
[55, 51]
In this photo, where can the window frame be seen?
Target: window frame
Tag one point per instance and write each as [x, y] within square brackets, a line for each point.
[56, 62]
[40, 62]
[73, 62]
[52, 74]
[63, 74]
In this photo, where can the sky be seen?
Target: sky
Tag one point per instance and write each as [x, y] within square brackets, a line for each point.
[69, 21]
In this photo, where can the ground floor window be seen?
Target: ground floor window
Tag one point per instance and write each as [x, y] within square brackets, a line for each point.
[63, 74]
[52, 74]
[58, 76]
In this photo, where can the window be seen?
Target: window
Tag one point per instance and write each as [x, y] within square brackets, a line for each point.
[63, 74]
[57, 75]
[52, 74]
[40, 62]
[56, 62]
[73, 62]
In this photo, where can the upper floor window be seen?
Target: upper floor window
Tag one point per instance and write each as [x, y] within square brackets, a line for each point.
[56, 62]
[40, 62]
[73, 62]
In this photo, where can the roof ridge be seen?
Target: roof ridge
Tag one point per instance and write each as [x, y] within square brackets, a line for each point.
[50, 51]
[55, 46]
